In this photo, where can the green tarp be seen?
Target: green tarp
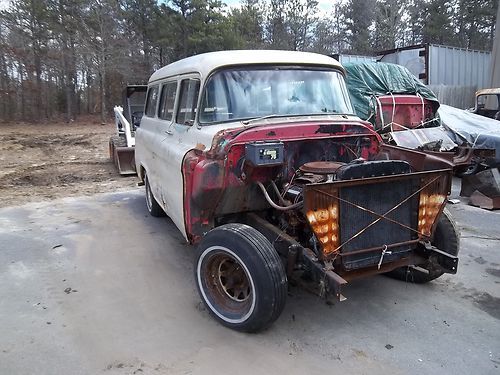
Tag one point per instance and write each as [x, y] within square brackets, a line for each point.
[365, 81]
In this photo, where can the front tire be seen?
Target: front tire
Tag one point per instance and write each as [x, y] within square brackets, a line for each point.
[240, 277]
[446, 238]
[152, 205]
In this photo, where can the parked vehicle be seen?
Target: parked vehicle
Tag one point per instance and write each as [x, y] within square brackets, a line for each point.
[127, 120]
[488, 103]
[258, 159]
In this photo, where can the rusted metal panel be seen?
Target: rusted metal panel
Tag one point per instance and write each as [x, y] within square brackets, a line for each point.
[480, 200]
[322, 213]
[218, 182]
[487, 182]
[483, 188]
[420, 161]
[401, 112]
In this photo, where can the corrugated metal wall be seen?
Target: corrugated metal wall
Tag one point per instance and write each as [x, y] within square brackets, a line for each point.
[458, 67]
[454, 74]
[457, 96]
[356, 59]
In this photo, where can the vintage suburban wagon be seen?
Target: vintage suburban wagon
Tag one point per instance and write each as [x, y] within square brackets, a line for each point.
[257, 158]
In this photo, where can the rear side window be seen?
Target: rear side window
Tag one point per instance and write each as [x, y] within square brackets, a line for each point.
[167, 101]
[188, 100]
[151, 101]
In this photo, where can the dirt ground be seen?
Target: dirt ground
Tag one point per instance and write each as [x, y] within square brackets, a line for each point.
[47, 161]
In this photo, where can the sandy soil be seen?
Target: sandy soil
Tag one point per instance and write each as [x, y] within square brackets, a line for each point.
[42, 162]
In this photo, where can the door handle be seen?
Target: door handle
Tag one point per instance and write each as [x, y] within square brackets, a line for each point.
[169, 132]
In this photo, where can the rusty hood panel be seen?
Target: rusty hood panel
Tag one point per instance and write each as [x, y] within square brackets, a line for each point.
[291, 131]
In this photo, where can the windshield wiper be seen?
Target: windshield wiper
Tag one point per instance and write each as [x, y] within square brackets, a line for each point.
[249, 121]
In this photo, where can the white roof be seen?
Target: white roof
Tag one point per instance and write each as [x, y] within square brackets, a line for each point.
[205, 63]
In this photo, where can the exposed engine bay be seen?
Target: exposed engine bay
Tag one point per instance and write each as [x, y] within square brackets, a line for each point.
[348, 202]
[318, 222]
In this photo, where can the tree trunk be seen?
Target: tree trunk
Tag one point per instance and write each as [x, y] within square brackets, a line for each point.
[21, 100]
[102, 88]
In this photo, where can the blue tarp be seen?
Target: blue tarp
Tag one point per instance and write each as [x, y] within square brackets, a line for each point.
[478, 131]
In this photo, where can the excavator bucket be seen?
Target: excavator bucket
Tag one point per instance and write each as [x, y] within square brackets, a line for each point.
[127, 119]
[123, 157]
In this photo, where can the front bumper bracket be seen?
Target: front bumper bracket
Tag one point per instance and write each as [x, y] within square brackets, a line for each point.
[329, 280]
[448, 263]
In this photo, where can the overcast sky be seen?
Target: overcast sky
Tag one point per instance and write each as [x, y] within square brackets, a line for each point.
[324, 5]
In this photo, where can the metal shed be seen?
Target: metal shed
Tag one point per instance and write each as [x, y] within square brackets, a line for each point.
[442, 65]
[453, 73]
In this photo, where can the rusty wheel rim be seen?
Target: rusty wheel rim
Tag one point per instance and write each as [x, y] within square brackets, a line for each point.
[226, 285]
[233, 279]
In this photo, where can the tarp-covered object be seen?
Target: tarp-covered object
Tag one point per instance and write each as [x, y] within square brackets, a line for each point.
[478, 131]
[365, 81]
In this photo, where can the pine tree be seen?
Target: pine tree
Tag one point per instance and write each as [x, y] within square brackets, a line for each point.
[438, 23]
[388, 24]
[359, 18]
[247, 21]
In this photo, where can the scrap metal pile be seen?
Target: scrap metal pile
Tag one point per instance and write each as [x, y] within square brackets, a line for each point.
[406, 113]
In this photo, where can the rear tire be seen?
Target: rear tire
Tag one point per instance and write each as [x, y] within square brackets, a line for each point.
[240, 277]
[152, 205]
[446, 238]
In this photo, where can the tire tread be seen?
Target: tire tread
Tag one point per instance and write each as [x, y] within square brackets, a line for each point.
[270, 258]
[156, 210]
[446, 238]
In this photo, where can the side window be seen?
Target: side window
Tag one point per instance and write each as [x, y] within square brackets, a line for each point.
[188, 100]
[151, 101]
[167, 101]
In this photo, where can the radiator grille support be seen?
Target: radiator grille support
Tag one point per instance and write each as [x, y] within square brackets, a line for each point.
[375, 213]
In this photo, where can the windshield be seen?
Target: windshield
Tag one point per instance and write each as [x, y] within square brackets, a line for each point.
[237, 94]
[489, 101]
